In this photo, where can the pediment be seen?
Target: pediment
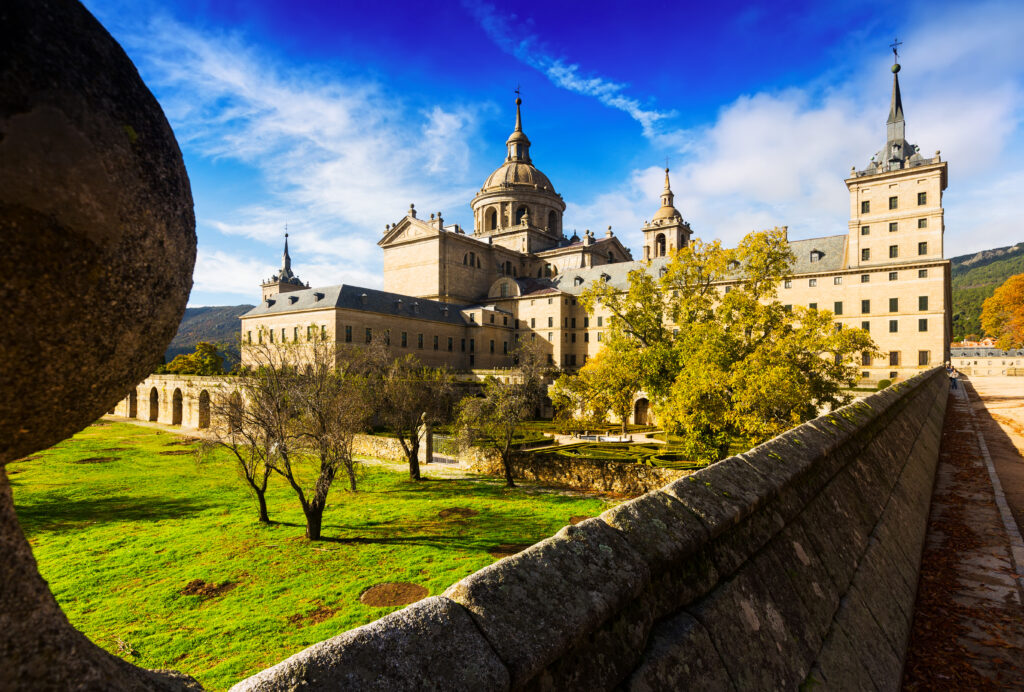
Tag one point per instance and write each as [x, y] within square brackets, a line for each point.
[405, 230]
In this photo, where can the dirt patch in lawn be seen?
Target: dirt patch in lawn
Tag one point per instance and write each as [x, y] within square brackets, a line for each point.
[460, 512]
[314, 617]
[175, 452]
[577, 518]
[94, 460]
[507, 549]
[393, 594]
[198, 587]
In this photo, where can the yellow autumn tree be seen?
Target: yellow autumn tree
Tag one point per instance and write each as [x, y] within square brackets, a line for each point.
[1002, 314]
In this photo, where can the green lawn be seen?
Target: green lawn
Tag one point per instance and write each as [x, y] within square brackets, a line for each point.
[118, 539]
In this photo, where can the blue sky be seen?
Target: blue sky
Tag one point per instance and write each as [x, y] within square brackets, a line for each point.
[333, 117]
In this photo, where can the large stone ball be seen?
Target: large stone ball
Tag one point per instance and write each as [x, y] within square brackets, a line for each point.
[97, 232]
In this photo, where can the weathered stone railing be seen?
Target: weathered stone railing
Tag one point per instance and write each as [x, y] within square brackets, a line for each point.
[796, 561]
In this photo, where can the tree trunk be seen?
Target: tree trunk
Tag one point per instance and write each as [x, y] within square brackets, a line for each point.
[314, 518]
[261, 498]
[414, 459]
[506, 460]
[350, 467]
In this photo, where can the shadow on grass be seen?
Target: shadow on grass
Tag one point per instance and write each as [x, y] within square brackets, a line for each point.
[56, 513]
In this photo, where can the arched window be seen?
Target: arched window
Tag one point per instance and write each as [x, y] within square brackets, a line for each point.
[659, 245]
[611, 257]
[472, 259]
[492, 219]
[465, 259]
[553, 222]
[520, 213]
[504, 290]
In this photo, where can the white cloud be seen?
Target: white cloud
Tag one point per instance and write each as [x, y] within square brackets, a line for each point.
[222, 272]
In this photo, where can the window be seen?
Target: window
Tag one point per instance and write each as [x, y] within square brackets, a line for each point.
[865, 254]
[504, 347]
[785, 308]
[924, 357]
[572, 323]
[309, 333]
[369, 335]
[565, 322]
[837, 280]
[271, 332]
[812, 306]
[894, 251]
[586, 337]
[922, 324]
[549, 301]
[599, 321]
[599, 336]
[893, 226]
[283, 339]
[551, 336]
[894, 326]
[435, 342]
[893, 276]
[894, 305]
[865, 374]
[922, 199]
[451, 343]
[922, 302]
[295, 334]
[573, 339]
[865, 359]
[865, 306]
[865, 325]
[893, 374]
[533, 322]
[728, 289]
[812, 282]
[387, 337]
[419, 341]
[922, 223]
[894, 359]
[922, 248]
[815, 255]
[894, 202]
[405, 339]
[838, 308]
[865, 278]
[248, 337]
[472, 345]
[865, 207]
[551, 321]
[922, 273]
[586, 322]
[348, 333]
[788, 283]
[865, 230]
[323, 331]
[492, 319]
[492, 345]
[462, 345]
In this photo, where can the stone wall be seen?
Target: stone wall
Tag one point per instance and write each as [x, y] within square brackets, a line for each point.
[183, 400]
[386, 448]
[793, 563]
[581, 474]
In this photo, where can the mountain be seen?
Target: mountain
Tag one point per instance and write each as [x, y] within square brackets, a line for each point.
[217, 323]
[975, 278]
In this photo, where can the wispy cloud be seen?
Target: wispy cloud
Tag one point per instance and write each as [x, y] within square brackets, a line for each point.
[339, 155]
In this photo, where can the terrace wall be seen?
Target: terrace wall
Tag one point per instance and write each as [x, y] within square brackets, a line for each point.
[794, 562]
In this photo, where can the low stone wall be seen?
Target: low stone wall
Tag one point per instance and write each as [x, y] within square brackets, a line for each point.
[582, 474]
[183, 400]
[377, 447]
[793, 563]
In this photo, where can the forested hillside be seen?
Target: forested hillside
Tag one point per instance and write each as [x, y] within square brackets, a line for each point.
[217, 324]
[975, 277]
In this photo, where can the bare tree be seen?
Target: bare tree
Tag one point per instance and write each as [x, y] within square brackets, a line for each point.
[251, 418]
[332, 394]
[494, 420]
[412, 395]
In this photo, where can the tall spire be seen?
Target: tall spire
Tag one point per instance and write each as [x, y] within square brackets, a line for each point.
[518, 143]
[666, 196]
[895, 126]
[286, 260]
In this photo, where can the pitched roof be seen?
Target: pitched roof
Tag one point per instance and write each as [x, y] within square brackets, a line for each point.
[352, 298]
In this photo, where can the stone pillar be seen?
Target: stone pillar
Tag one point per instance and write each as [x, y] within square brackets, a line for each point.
[426, 438]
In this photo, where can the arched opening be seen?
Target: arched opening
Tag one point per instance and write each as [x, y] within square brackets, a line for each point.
[133, 404]
[204, 409]
[465, 259]
[520, 213]
[176, 407]
[611, 257]
[154, 404]
[553, 222]
[492, 220]
[235, 412]
[659, 245]
[640, 412]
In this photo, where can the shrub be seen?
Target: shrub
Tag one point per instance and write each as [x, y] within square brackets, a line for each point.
[882, 384]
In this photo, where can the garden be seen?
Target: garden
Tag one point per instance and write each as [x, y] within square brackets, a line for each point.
[649, 454]
[157, 557]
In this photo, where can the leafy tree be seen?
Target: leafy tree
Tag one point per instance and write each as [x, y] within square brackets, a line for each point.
[411, 395]
[1002, 314]
[205, 360]
[495, 419]
[573, 401]
[723, 365]
[608, 383]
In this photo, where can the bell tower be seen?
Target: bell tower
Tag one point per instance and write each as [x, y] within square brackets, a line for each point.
[666, 232]
[285, 280]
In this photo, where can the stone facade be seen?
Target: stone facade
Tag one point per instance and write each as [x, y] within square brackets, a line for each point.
[981, 361]
[516, 277]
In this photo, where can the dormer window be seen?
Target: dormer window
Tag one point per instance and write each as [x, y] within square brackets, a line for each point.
[605, 278]
[816, 255]
[734, 264]
[293, 299]
[578, 281]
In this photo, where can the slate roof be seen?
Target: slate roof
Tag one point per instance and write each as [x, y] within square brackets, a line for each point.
[985, 352]
[351, 297]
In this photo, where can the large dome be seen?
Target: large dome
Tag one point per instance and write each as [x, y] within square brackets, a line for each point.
[518, 173]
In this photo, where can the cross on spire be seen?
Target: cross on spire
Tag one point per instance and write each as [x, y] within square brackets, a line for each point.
[895, 45]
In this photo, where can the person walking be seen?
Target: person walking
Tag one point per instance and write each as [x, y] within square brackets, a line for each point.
[953, 377]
